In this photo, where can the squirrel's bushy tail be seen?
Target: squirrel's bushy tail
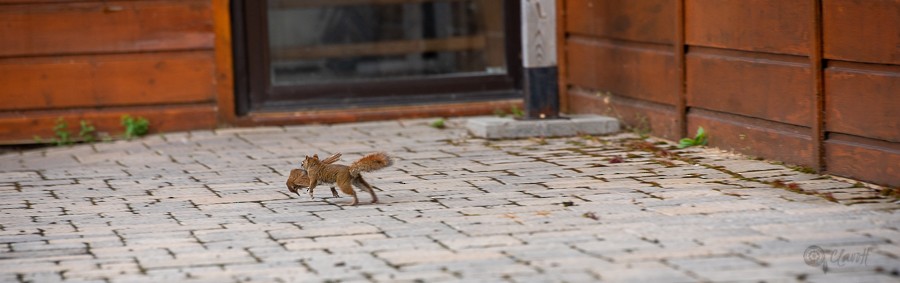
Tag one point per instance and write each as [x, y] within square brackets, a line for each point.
[370, 162]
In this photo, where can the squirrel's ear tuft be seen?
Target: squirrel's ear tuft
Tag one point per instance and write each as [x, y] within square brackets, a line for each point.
[315, 156]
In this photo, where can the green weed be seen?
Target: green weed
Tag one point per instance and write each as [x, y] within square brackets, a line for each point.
[516, 112]
[438, 124]
[61, 131]
[499, 113]
[87, 132]
[699, 139]
[135, 127]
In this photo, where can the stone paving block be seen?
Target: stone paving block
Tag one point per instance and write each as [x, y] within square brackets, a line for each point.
[710, 207]
[346, 263]
[715, 263]
[462, 243]
[303, 244]
[269, 272]
[423, 276]
[199, 259]
[42, 277]
[431, 256]
[568, 276]
[147, 253]
[277, 253]
[418, 229]
[642, 272]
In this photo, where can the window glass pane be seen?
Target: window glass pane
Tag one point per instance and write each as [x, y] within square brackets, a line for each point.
[316, 41]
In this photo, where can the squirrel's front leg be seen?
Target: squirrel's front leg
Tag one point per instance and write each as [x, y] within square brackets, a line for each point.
[312, 185]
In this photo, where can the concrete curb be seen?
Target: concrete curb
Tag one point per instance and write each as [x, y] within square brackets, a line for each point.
[506, 127]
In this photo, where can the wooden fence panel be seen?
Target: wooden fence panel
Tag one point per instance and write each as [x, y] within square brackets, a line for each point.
[98, 60]
[812, 82]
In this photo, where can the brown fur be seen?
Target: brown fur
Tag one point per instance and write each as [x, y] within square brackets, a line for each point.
[300, 179]
[345, 177]
[370, 162]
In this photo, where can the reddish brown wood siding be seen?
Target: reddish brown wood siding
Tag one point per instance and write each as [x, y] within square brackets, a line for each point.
[98, 60]
[815, 83]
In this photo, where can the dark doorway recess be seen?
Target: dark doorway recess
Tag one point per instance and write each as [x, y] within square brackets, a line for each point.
[300, 55]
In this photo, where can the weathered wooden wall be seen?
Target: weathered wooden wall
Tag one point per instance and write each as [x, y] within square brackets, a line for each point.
[814, 83]
[98, 60]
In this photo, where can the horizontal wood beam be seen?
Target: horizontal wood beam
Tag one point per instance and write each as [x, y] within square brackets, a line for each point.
[21, 127]
[376, 113]
[381, 48]
[288, 4]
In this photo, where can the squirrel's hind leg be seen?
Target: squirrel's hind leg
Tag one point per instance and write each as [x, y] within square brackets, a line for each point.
[334, 192]
[348, 189]
[362, 184]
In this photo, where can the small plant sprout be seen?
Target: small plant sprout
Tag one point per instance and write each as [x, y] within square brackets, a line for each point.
[499, 113]
[439, 123]
[516, 112]
[135, 127]
[87, 131]
[61, 130]
[699, 139]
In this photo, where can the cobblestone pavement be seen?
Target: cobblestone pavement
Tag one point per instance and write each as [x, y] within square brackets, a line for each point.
[212, 206]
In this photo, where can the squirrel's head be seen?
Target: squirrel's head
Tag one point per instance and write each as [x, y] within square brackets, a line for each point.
[309, 161]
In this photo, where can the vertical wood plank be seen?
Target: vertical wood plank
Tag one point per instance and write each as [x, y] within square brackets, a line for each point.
[224, 66]
[680, 88]
[818, 87]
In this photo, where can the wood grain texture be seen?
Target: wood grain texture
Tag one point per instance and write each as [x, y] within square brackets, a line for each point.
[649, 21]
[773, 26]
[760, 138]
[104, 27]
[862, 31]
[865, 159]
[863, 100]
[106, 80]
[637, 71]
[634, 114]
[771, 88]
[19, 127]
[770, 78]
[224, 65]
[376, 113]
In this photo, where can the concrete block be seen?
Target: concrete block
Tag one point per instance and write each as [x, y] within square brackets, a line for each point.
[509, 128]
